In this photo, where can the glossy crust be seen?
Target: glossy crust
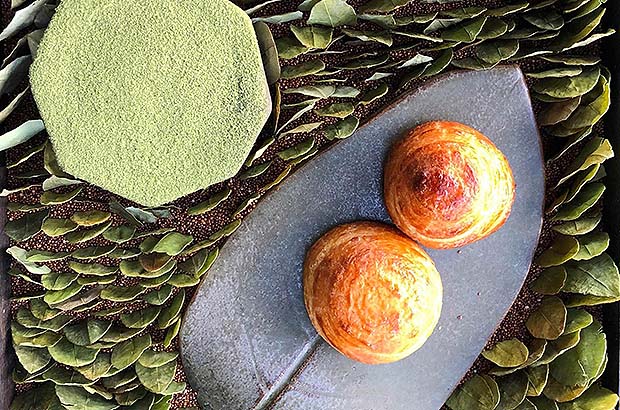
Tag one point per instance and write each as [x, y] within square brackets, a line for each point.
[447, 185]
[371, 292]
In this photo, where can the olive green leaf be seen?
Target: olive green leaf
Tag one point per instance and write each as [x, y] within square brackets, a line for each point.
[54, 182]
[58, 280]
[537, 348]
[545, 19]
[119, 234]
[32, 358]
[69, 354]
[57, 227]
[84, 235]
[36, 255]
[466, 32]
[153, 263]
[568, 87]
[596, 151]
[198, 264]
[332, 13]
[337, 110]
[508, 353]
[597, 277]
[98, 368]
[440, 63]
[172, 332]
[62, 376]
[572, 60]
[494, 27]
[592, 245]
[493, 52]
[255, 170]
[246, 204]
[121, 293]
[549, 320]
[581, 179]
[290, 48]
[364, 62]
[562, 249]
[21, 255]
[119, 378]
[297, 150]
[313, 37]
[140, 319]
[386, 21]
[26, 318]
[585, 200]
[550, 281]
[558, 112]
[543, 403]
[127, 353]
[576, 300]
[118, 334]
[171, 312]
[54, 198]
[45, 339]
[303, 69]
[93, 252]
[26, 227]
[87, 332]
[80, 299]
[172, 243]
[342, 128]
[279, 18]
[537, 379]
[54, 297]
[96, 269]
[42, 311]
[512, 389]
[76, 398]
[211, 203]
[151, 358]
[595, 104]
[374, 94]
[383, 37]
[175, 388]
[558, 347]
[90, 218]
[136, 397]
[595, 398]
[42, 397]
[580, 364]
[383, 5]
[267, 45]
[479, 393]
[579, 226]
[577, 30]
[156, 379]
[577, 319]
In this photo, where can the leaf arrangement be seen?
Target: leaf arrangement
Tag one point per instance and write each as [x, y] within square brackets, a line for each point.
[97, 328]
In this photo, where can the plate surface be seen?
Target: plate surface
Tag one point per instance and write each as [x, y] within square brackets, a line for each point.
[247, 342]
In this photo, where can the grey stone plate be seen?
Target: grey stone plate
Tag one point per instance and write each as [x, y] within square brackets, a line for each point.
[247, 342]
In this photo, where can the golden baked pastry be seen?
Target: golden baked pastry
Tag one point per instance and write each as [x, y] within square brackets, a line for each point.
[446, 185]
[371, 292]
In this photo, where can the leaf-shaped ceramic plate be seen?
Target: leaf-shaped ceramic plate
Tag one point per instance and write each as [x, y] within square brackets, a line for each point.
[247, 342]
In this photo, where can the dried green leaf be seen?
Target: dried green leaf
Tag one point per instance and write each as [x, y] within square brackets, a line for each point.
[32, 358]
[585, 200]
[466, 32]
[382, 5]
[54, 297]
[170, 313]
[76, 398]
[550, 281]
[151, 359]
[537, 379]
[548, 19]
[53, 198]
[562, 249]
[568, 87]
[512, 389]
[54, 227]
[84, 235]
[69, 354]
[592, 245]
[140, 319]
[279, 18]
[128, 352]
[92, 252]
[122, 293]
[332, 13]
[595, 398]
[87, 332]
[172, 332]
[26, 227]
[549, 320]
[156, 379]
[577, 319]
[290, 48]
[90, 218]
[58, 280]
[479, 393]
[577, 30]
[303, 69]
[597, 277]
[508, 353]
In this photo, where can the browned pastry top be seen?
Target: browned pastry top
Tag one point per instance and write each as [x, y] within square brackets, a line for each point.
[447, 185]
[371, 292]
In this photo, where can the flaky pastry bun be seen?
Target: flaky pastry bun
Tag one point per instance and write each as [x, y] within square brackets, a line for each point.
[371, 292]
[447, 185]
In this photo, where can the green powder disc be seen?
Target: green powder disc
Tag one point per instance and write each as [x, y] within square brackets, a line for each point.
[151, 99]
